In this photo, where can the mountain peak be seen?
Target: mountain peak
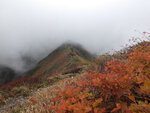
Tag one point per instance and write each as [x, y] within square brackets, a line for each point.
[67, 56]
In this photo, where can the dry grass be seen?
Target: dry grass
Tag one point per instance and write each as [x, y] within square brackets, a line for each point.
[40, 101]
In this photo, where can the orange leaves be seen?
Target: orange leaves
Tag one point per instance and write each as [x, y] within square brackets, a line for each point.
[97, 102]
[99, 110]
[146, 87]
[81, 108]
[139, 60]
[32, 100]
[55, 99]
[117, 108]
[113, 90]
[132, 98]
[72, 99]
[96, 82]
[141, 107]
[53, 107]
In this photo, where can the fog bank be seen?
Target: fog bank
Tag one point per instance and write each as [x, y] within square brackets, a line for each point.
[31, 29]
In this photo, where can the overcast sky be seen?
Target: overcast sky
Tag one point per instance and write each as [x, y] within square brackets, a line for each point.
[39, 26]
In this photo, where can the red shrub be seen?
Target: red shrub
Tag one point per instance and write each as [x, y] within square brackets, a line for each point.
[120, 88]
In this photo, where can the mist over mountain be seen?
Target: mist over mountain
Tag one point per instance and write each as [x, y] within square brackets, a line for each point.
[31, 29]
[6, 74]
[69, 56]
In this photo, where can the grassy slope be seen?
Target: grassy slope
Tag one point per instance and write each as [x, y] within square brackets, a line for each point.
[60, 63]
[41, 99]
[65, 57]
[40, 102]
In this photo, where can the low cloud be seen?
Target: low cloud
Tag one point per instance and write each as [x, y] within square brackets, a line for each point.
[31, 29]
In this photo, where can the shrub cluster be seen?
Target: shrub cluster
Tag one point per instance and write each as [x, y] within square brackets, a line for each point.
[123, 87]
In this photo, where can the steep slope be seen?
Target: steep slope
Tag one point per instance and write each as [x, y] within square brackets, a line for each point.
[6, 74]
[66, 58]
[67, 61]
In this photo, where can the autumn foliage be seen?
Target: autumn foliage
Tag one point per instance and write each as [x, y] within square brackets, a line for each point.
[21, 81]
[123, 87]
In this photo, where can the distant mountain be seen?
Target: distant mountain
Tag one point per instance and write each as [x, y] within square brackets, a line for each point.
[6, 74]
[68, 57]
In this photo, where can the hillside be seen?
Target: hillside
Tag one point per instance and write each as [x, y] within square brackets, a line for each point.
[120, 83]
[68, 60]
[6, 74]
[65, 58]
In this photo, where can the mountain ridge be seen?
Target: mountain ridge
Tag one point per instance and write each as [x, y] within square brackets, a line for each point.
[66, 56]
